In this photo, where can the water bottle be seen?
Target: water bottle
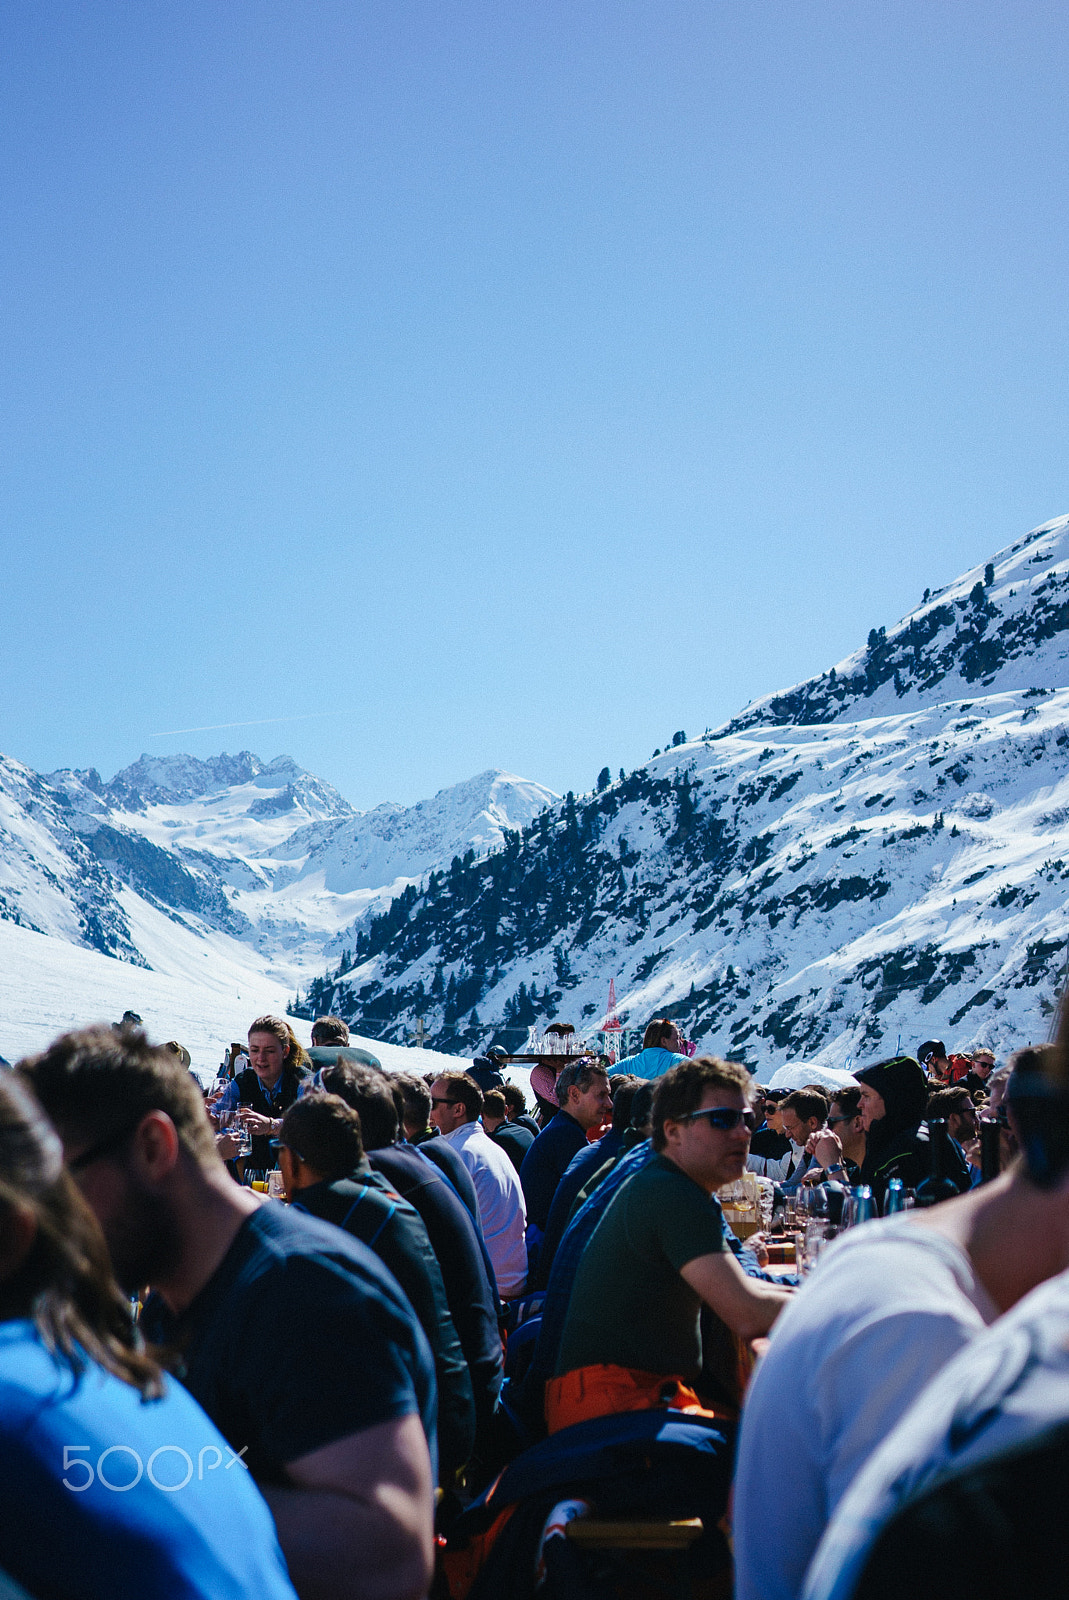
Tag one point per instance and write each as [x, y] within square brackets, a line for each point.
[896, 1197]
[860, 1206]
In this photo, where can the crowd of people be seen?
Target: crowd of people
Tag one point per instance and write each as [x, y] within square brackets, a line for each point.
[330, 1331]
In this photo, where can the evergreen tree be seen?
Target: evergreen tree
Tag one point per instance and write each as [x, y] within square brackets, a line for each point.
[604, 779]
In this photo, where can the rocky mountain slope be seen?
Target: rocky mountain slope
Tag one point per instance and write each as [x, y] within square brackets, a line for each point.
[259, 860]
[874, 856]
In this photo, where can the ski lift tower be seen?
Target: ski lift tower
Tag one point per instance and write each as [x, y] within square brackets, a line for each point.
[611, 1029]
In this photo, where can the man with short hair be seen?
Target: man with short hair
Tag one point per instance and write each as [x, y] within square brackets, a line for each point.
[336, 1428]
[582, 1167]
[632, 1330]
[451, 1226]
[983, 1065]
[456, 1103]
[330, 1030]
[662, 1049]
[886, 1309]
[326, 1173]
[518, 1114]
[585, 1102]
[955, 1108]
[513, 1139]
[839, 1148]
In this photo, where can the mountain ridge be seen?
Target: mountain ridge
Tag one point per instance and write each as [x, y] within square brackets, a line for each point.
[853, 862]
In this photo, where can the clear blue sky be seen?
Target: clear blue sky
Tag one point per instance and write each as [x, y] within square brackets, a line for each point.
[484, 383]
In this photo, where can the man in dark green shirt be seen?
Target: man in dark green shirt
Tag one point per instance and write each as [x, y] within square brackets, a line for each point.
[659, 1251]
[326, 1173]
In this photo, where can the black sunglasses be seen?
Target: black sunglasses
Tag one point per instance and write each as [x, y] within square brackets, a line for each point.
[833, 1120]
[723, 1118]
[103, 1147]
[440, 1100]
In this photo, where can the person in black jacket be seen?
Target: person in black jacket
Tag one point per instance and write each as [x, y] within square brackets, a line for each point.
[894, 1099]
[267, 1087]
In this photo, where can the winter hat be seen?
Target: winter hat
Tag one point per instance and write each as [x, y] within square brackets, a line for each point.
[903, 1087]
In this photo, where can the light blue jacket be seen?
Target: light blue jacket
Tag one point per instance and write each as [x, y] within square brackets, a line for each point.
[649, 1063]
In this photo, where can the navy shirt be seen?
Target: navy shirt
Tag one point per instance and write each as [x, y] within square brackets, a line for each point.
[578, 1172]
[367, 1206]
[298, 1339]
[545, 1163]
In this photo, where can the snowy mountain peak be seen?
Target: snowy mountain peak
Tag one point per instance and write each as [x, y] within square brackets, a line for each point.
[171, 780]
[1003, 625]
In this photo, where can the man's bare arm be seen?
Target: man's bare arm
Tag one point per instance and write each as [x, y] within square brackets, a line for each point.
[356, 1522]
[748, 1306]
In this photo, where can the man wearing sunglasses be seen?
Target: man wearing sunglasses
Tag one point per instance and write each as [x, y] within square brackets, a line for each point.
[632, 1336]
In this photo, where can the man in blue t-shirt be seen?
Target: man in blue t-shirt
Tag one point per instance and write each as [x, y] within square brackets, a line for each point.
[292, 1335]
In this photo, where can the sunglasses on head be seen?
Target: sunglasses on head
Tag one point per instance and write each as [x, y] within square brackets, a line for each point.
[723, 1118]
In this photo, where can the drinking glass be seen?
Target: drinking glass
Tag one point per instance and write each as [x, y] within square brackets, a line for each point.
[231, 1123]
[819, 1232]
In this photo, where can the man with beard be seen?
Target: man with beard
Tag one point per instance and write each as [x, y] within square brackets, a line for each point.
[290, 1334]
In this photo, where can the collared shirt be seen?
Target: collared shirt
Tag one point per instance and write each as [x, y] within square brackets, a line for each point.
[230, 1098]
[501, 1204]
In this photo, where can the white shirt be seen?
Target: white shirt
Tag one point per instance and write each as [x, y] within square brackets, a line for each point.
[501, 1204]
[885, 1309]
[1006, 1389]
[779, 1168]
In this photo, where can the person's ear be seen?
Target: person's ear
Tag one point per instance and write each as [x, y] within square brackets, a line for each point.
[156, 1146]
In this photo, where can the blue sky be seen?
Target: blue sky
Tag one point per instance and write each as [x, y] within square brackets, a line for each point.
[497, 384]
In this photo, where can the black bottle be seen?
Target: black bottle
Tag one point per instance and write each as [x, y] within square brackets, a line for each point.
[937, 1186]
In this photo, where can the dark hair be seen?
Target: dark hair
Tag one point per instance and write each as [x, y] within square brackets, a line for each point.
[368, 1092]
[514, 1097]
[463, 1089]
[325, 1133]
[295, 1053]
[494, 1103]
[578, 1075]
[679, 1091]
[64, 1285]
[330, 1030]
[848, 1101]
[416, 1097]
[99, 1080]
[944, 1102]
[623, 1087]
[806, 1103]
[656, 1031]
[642, 1102]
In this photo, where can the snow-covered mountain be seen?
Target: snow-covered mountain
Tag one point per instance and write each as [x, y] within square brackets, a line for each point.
[261, 862]
[877, 855]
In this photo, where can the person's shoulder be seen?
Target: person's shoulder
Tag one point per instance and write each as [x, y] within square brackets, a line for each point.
[281, 1239]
